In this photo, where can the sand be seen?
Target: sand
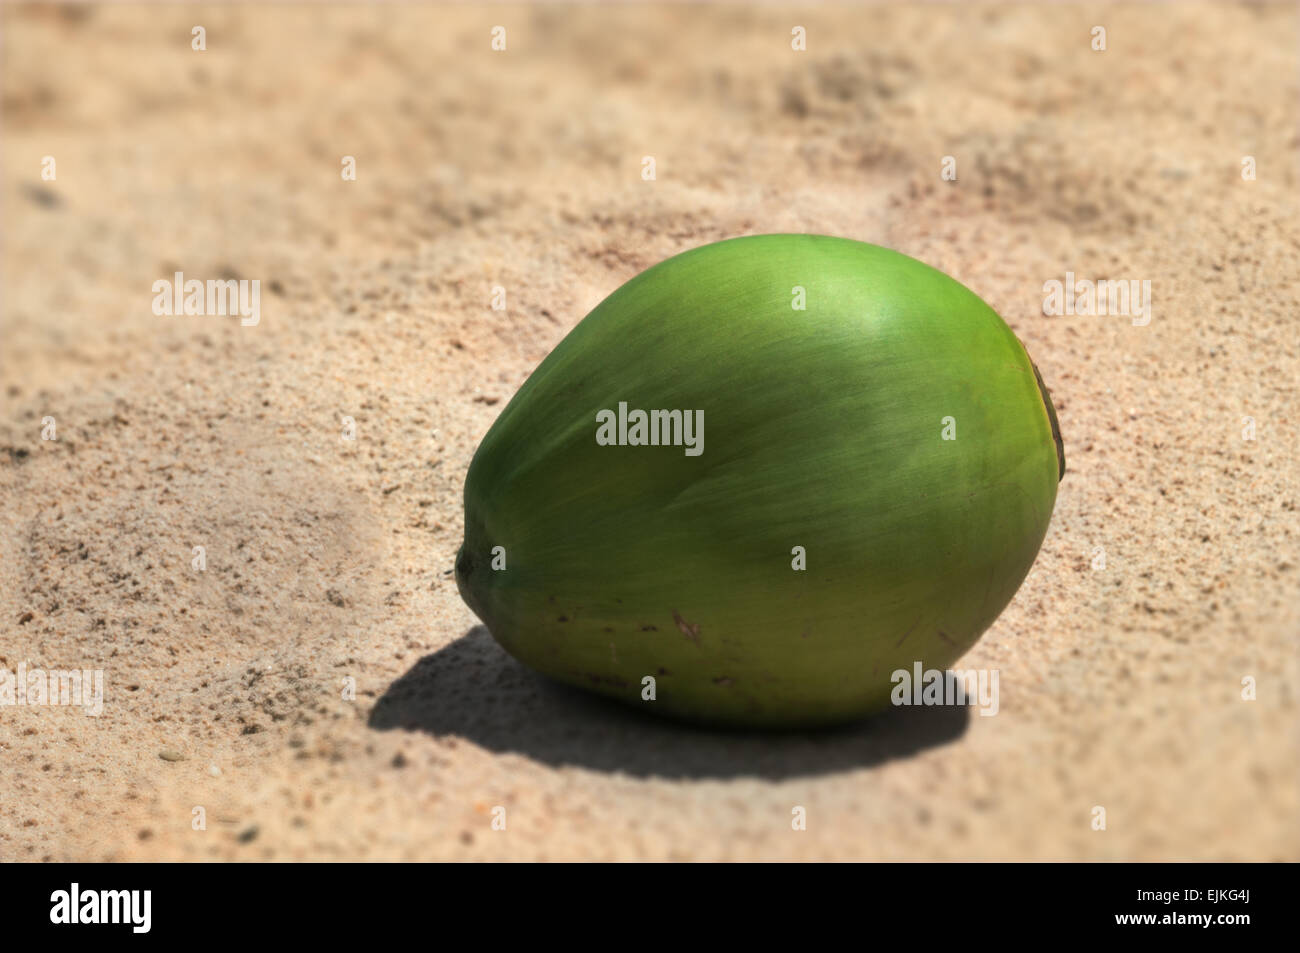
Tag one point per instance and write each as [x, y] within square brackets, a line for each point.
[329, 560]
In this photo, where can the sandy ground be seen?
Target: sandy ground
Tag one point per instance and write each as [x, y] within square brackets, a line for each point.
[329, 559]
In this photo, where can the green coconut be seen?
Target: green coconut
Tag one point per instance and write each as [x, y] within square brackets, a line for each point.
[859, 475]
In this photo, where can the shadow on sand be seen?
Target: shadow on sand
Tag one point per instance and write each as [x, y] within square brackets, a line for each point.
[472, 689]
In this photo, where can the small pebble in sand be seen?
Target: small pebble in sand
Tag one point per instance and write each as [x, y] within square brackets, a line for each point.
[214, 771]
[167, 754]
